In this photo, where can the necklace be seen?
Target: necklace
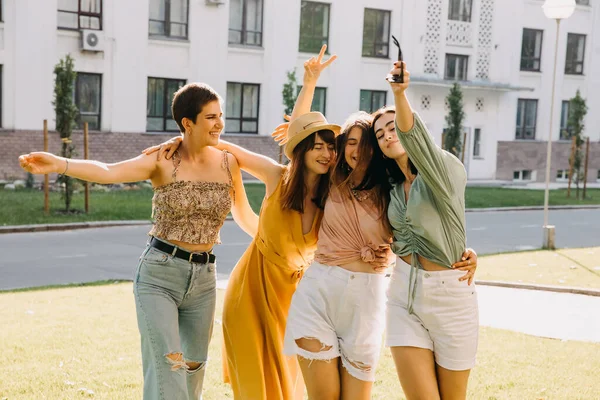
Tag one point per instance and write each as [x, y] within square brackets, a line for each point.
[360, 195]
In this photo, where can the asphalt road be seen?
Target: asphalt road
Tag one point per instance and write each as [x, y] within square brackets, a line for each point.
[49, 258]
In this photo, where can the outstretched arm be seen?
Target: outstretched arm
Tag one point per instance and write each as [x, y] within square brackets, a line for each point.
[136, 169]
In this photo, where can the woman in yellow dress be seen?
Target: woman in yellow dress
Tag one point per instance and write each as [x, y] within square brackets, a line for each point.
[262, 283]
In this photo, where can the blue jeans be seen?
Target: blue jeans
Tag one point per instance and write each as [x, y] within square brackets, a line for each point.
[175, 304]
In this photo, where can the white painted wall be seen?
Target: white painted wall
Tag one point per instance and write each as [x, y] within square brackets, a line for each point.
[30, 46]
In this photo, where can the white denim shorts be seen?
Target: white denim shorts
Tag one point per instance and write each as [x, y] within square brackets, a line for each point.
[445, 316]
[345, 311]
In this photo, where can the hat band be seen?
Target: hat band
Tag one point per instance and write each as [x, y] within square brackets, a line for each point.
[312, 123]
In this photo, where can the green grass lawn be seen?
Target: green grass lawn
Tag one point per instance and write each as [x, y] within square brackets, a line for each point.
[24, 207]
[565, 267]
[83, 342]
[482, 197]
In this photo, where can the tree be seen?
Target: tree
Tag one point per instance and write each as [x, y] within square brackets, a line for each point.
[454, 121]
[66, 113]
[289, 93]
[577, 112]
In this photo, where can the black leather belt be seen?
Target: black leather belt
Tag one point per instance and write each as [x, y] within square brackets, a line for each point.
[199, 258]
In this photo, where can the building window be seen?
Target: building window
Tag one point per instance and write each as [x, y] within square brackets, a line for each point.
[565, 131]
[169, 18]
[477, 142]
[160, 97]
[376, 33]
[523, 175]
[80, 14]
[526, 118]
[531, 50]
[245, 22]
[88, 99]
[583, 2]
[243, 100]
[457, 67]
[562, 175]
[598, 177]
[319, 102]
[460, 10]
[1, 14]
[575, 54]
[372, 100]
[314, 26]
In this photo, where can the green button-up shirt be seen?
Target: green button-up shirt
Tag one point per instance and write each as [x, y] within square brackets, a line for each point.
[432, 223]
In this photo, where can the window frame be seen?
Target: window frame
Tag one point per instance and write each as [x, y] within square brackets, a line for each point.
[564, 121]
[533, 59]
[244, 30]
[372, 92]
[167, 21]
[311, 37]
[571, 65]
[527, 103]
[477, 144]
[76, 100]
[79, 14]
[460, 17]
[375, 43]
[166, 104]
[457, 58]
[241, 117]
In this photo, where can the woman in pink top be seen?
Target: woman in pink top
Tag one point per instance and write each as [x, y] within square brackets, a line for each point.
[338, 311]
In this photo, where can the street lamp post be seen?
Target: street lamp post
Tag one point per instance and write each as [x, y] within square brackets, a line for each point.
[557, 10]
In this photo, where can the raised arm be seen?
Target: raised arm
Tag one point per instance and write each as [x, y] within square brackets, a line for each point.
[440, 170]
[136, 169]
[312, 71]
[242, 213]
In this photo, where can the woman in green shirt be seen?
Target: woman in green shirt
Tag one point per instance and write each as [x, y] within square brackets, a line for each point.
[433, 319]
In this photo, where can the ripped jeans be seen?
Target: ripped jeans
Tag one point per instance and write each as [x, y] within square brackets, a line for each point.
[345, 312]
[175, 304]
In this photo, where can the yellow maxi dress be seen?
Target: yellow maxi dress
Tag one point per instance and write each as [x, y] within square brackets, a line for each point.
[257, 302]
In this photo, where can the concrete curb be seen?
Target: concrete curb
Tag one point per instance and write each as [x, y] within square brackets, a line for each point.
[68, 226]
[545, 288]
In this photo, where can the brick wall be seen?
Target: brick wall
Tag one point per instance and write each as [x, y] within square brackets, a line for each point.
[104, 146]
[519, 155]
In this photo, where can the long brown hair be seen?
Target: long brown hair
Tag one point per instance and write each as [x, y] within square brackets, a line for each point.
[391, 166]
[294, 189]
[375, 172]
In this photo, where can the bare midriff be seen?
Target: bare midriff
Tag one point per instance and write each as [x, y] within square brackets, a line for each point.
[361, 266]
[425, 263]
[193, 248]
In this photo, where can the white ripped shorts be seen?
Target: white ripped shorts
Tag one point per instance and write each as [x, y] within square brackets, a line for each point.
[343, 310]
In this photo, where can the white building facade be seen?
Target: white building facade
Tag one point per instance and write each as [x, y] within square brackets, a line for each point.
[132, 55]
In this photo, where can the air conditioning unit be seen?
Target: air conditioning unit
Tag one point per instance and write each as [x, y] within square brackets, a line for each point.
[215, 2]
[92, 40]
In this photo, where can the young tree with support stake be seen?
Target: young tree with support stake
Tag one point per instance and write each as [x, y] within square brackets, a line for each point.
[66, 113]
[454, 120]
[289, 93]
[577, 112]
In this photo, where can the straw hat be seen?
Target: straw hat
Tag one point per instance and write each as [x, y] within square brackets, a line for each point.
[305, 125]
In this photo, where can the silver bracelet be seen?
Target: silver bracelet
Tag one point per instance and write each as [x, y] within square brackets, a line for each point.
[67, 168]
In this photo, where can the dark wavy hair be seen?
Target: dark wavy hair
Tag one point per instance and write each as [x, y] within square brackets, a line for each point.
[370, 156]
[294, 188]
[391, 166]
